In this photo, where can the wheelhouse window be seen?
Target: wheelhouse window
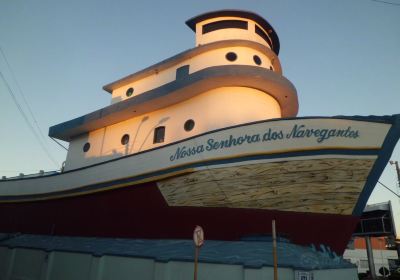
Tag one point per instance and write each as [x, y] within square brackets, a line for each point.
[223, 24]
[263, 35]
[159, 134]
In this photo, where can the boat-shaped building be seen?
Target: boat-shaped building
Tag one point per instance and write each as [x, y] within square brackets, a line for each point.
[209, 136]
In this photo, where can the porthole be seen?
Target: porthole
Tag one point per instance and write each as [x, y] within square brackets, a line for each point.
[125, 139]
[231, 56]
[189, 124]
[129, 92]
[257, 59]
[86, 147]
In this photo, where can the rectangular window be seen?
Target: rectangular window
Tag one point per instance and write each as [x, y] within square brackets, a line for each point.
[263, 35]
[223, 24]
[159, 134]
[182, 72]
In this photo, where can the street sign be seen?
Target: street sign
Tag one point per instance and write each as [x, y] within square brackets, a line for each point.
[198, 236]
[198, 239]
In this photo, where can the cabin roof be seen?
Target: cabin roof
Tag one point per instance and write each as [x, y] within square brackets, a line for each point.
[242, 14]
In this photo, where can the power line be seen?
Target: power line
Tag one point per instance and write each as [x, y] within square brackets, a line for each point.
[29, 109]
[389, 189]
[59, 143]
[23, 95]
[10, 91]
[386, 2]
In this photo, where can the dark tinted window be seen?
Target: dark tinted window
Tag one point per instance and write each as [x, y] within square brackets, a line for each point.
[125, 139]
[262, 34]
[86, 147]
[159, 134]
[223, 24]
[189, 125]
[182, 72]
[231, 56]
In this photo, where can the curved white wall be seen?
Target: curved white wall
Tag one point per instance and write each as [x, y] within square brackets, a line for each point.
[211, 110]
[204, 60]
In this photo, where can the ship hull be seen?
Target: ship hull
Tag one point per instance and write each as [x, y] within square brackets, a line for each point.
[143, 213]
[312, 175]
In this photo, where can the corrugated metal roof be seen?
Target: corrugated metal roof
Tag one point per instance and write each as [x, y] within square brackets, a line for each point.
[253, 254]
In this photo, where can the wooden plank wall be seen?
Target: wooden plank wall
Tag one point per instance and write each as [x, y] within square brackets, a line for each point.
[329, 186]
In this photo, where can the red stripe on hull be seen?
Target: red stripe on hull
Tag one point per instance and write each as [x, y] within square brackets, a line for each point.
[141, 212]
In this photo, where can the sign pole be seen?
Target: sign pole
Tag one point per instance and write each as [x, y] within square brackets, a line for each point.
[198, 239]
[274, 250]
[196, 260]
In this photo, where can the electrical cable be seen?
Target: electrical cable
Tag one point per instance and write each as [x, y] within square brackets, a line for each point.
[22, 95]
[59, 143]
[383, 185]
[10, 91]
[386, 2]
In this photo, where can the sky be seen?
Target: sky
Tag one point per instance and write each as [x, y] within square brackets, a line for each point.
[342, 56]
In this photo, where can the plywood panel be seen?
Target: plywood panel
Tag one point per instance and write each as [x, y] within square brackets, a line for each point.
[319, 185]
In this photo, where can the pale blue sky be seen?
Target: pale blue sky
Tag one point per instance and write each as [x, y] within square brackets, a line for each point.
[343, 57]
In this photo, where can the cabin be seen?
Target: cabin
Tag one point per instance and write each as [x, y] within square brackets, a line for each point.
[232, 76]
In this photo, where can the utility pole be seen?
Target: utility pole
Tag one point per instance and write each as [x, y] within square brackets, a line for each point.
[396, 164]
[370, 256]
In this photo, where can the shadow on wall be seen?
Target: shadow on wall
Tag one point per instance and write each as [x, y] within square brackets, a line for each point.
[133, 141]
